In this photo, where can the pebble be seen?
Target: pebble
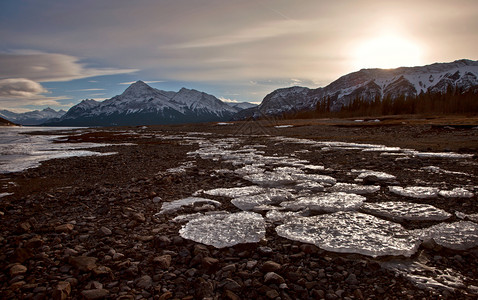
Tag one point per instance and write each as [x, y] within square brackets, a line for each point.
[95, 294]
[270, 266]
[163, 261]
[105, 231]
[17, 269]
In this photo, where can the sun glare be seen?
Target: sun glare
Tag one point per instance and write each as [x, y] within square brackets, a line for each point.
[386, 52]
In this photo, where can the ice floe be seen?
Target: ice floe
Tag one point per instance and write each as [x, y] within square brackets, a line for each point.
[278, 216]
[426, 277]
[376, 175]
[173, 206]
[354, 188]
[435, 169]
[456, 193]
[236, 192]
[461, 235]
[225, 230]
[330, 202]
[5, 194]
[451, 155]
[351, 232]
[421, 192]
[399, 211]
[271, 197]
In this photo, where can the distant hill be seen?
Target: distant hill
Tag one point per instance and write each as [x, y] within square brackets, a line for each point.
[4, 122]
[35, 117]
[141, 104]
[369, 85]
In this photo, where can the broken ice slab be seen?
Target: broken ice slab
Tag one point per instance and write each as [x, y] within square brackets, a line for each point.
[399, 211]
[276, 216]
[426, 277]
[270, 179]
[249, 169]
[456, 193]
[421, 192]
[309, 186]
[189, 217]
[236, 191]
[451, 155]
[461, 235]
[354, 188]
[376, 175]
[173, 206]
[331, 202]
[225, 230]
[351, 232]
[271, 197]
[435, 169]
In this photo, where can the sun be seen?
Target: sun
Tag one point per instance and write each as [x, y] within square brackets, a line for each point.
[386, 52]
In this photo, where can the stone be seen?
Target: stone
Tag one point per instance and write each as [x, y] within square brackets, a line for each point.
[144, 282]
[105, 231]
[95, 294]
[65, 228]
[83, 263]
[352, 279]
[138, 217]
[231, 285]
[163, 261]
[270, 266]
[93, 285]
[272, 294]
[231, 296]
[18, 269]
[161, 241]
[272, 277]
[24, 226]
[102, 270]
[209, 263]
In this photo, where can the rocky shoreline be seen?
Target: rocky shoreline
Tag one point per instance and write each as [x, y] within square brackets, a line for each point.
[88, 227]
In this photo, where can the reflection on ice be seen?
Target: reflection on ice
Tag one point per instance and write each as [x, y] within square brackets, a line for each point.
[331, 202]
[173, 206]
[351, 232]
[354, 188]
[460, 235]
[421, 192]
[225, 230]
[406, 211]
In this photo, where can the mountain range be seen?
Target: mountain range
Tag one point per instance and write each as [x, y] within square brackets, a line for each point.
[369, 84]
[35, 117]
[142, 104]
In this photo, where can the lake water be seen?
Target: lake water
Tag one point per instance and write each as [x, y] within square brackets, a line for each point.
[20, 151]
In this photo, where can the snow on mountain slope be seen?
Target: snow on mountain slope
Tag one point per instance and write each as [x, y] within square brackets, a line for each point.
[35, 117]
[369, 83]
[142, 104]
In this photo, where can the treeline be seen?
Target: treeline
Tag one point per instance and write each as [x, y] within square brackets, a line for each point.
[454, 101]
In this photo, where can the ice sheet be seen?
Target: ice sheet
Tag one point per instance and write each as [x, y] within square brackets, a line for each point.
[354, 188]
[223, 230]
[399, 211]
[330, 202]
[173, 206]
[421, 192]
[461, 235]
[351, 232]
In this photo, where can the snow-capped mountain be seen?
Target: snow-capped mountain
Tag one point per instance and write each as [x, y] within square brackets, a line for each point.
[369, 83]
[142, 104]
[35, 117]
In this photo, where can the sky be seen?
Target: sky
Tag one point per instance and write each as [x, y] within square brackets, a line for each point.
[55, 53]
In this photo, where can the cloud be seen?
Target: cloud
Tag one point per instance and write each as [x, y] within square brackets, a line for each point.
[15, 92]
[44, 67]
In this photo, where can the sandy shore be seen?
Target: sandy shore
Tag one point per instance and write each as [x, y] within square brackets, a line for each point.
[87, 227]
